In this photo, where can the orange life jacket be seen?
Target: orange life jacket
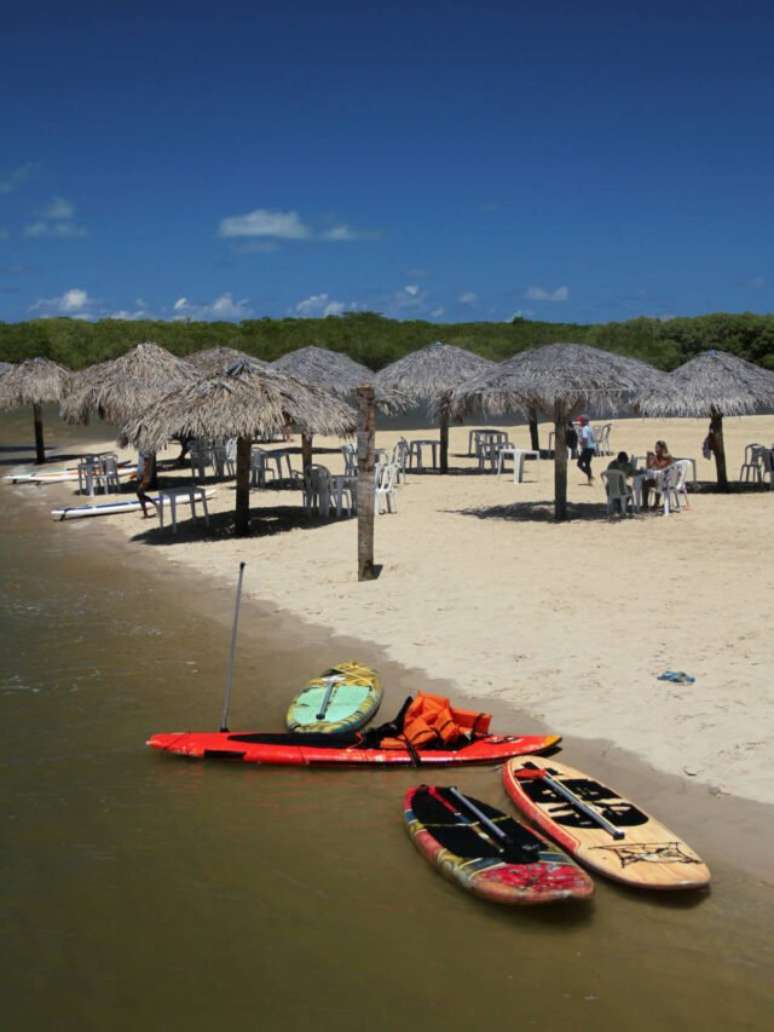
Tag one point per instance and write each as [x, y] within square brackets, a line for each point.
[431, 721]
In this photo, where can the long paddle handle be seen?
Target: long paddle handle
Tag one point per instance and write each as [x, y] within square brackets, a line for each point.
[437, 795]
[572, 799]
[230, 676]
[481, 817]
[331, 684]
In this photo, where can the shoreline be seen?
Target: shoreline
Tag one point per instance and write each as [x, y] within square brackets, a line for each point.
[727, 829]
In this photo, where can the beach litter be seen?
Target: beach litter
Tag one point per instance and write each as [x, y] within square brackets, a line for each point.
[676, 676]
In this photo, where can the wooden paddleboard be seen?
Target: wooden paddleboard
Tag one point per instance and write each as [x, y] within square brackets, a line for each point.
[634, 849]
[487, 852]
[342, 699]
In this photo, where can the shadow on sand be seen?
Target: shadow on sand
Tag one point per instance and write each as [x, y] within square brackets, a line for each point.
[277, 519]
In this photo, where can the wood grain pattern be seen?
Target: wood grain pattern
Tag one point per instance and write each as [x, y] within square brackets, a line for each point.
[647, 855]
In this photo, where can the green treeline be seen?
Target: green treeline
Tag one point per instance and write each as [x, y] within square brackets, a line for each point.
[376, 341]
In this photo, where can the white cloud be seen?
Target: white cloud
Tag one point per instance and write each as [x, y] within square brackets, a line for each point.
[321, 305]
[57, 221]
[72, 302]
[262, 223]
[412, 289]
[467, 297]
[11, 180]
[757, 282]
[284, 225]
[438, 312]
[541, 294]
[59, 209]
[224, 308]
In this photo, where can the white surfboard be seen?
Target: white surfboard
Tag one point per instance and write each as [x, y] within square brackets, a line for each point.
[77, 512]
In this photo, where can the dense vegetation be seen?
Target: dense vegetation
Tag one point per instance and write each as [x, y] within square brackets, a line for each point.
[376, 341]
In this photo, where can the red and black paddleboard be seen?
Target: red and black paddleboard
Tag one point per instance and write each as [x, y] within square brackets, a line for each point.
[313, 750]
[488, 853]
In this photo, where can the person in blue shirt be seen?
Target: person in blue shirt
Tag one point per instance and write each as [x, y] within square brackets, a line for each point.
[588, 446]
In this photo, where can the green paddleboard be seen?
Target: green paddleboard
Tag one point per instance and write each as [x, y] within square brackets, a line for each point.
[343, 699]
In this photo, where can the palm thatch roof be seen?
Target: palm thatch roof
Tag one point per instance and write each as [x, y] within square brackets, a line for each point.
[4, 367]
[430, 373]
[125, 386]
[715, 382]
[575, 376]
[33, 382]
[243, 402]
[219, 359]
[336, 372]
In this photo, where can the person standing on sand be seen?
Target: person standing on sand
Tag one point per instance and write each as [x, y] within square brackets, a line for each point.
[588, 446]
[143, 476]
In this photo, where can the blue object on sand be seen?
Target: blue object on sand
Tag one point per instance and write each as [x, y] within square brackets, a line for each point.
[677, 677]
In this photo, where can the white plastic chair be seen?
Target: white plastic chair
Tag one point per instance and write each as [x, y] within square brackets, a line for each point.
[620, 496]
[602, 436]
[384, 489]
[674, 486]
[200, 457]
[350, 459]
[110, 470]
[400, 459]
[317, 491]
[767, 464]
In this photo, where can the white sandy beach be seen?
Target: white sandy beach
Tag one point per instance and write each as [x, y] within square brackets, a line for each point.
[572, 623]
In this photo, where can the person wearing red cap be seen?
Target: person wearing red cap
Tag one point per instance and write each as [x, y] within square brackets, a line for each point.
[588, 447]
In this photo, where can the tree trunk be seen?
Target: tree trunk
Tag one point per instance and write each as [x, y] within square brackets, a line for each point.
[533, 432]
[40, 451]
[242, 513]
[718, 447]
[153, 483]
[366, 421]
[560, 462]
[306, 452]
[444, 414]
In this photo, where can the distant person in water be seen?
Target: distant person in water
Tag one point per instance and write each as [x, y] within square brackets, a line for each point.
[588, 446]
[144, 475]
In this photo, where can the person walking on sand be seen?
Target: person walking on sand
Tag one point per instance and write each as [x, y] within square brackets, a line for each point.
[588, 446]
[143, 476]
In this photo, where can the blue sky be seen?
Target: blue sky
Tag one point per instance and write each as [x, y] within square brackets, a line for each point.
[445, 161]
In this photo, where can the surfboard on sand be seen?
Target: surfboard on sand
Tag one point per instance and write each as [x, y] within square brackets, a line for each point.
[487, 852]
[77, 512]
[62, 476]
[342, 699]
[602, 829]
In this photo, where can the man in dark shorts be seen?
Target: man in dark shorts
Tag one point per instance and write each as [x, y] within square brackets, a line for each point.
[144, 476]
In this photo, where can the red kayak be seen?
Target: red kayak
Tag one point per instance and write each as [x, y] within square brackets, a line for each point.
[314, 750]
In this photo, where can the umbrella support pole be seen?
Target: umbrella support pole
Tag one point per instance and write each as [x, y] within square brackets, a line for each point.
[560, 462]
[718, 447]
[366, 423]
[40, 451]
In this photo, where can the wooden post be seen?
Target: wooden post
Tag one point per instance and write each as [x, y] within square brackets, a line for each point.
[366, 421]
[153, 483]
[560, 461]
[444, 414]
[306, 452]
[242, 513]
[40, 451]
[534, 438]
[718, 447]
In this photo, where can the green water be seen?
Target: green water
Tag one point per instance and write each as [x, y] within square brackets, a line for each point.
[148, 892]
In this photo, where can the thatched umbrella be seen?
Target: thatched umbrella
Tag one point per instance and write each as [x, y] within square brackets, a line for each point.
[716, 384]
[217, 360]
[338, 373]
[429, 376]
[4, 367]
[123, 387]
[243, 402]
[34, 382]
[561, 380]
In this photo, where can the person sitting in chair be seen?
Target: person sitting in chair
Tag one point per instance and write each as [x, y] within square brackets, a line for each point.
[659, 459]
[622, 464]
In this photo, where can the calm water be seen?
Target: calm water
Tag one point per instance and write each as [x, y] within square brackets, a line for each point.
[147, 892]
